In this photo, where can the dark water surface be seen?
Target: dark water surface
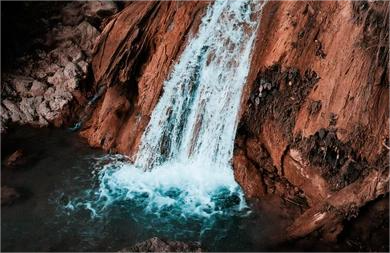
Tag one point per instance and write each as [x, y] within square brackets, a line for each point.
[59, 168]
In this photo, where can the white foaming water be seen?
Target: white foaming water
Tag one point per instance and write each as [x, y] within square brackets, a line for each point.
[184, 159]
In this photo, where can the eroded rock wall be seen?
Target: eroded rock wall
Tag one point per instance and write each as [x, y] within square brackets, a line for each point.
[316, 106]
[133, 57]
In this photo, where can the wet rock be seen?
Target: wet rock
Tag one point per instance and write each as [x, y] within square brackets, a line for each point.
[247, 175]
[99, 9]
[8, 195]
[152, 29]
[14, 158]
[156, 244]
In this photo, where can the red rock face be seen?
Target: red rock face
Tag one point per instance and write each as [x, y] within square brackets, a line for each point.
[134, 55]
[248, 177]
[314, 114]
[317, 99]
[352, 83]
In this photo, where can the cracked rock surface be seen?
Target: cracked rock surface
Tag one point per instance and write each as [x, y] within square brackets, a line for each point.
[41, 86]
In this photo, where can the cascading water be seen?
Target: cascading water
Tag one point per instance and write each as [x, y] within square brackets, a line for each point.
[195, 119]
[183, 166]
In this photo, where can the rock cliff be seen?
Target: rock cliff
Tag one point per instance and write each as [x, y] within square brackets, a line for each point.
[314, 118]
[317, 104]
[132, 59]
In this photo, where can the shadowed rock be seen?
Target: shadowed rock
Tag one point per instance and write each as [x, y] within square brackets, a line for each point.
[8, 195]
[156, 244]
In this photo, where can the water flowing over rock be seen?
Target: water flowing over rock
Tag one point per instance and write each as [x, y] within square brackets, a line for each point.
[134, 54]
[317, 81]
[195, 117]
[308, 93]
[191, 131]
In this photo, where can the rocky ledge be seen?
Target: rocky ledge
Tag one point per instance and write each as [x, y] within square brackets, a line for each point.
[41, 88]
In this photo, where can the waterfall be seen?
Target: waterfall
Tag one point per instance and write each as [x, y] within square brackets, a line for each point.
[195, 119]
[184, 160]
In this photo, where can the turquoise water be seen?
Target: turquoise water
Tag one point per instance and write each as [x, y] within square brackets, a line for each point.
[61, 170]
[61, 210]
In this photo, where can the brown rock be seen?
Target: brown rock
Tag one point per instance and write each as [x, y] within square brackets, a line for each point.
[87, 36]
[4, 119]
[37, 88]
[72, 13]
[99, 9]
[135, 53]
[22, 84]
[8, 195]
[303, 175]
[326, 216]
[27, 107]
[3, 127]
[14, 158]
[337, 76]
[248, 177]
[13, 111]
[60, 64]
[156, 244]
[58, 78]
[331, 74]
